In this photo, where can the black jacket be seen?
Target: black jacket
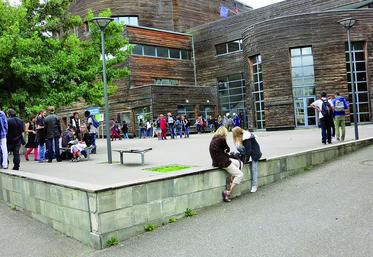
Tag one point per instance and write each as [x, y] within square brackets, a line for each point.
[16, 127]
[52, 126]
[251, 148]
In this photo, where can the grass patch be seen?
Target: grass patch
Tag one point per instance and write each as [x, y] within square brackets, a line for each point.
[172, 220]
[149, 227]
[190, 212]
[112, 242]
[169, 168]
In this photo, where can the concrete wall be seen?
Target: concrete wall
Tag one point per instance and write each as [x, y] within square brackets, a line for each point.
[95, 217]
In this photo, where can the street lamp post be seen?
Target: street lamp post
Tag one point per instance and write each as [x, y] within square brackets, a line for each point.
[348, 23]
[102, 23]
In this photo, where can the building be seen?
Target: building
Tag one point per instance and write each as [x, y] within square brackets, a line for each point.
[266, 64]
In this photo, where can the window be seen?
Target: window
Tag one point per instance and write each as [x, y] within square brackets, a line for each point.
[303, 81]
[258, 91]
[166, 82]
[143, 114]
[187, 111]
[360, 79]
[232, 95]
[162, 52]
[229, 47]
[127, 20]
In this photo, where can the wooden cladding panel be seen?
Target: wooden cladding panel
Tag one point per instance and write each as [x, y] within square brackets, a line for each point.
[145, 69]
[273, 39]
[158, 38]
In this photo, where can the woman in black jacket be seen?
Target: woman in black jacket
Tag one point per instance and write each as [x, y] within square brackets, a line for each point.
[248, 147]
[219, 150]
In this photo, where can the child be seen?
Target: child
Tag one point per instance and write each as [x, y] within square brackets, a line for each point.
[248, 147]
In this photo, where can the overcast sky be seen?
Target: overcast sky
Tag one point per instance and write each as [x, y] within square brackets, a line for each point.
[258, 3]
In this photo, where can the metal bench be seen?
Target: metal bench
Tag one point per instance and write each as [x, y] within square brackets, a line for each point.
[137, 151]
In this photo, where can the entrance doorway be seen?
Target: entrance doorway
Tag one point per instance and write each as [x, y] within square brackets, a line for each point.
[305, 116]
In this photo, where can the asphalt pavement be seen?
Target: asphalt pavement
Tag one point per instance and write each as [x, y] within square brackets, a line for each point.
[326, 212]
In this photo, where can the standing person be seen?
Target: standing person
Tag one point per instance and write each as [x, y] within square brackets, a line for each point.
[325, 110]
[149, 128]
[40, 134]
[75, 122]
[219, 150]
[53, 133]
[3, 143]
[340, 106]
[125, 129]
[186, 125]
[16, 127]
[163, 126]
[171, 125]
[32, 143]
[92, 129]
[237, 121]
[179, 127]
[248, 147]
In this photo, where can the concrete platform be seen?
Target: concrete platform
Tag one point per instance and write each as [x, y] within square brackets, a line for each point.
[96, 174]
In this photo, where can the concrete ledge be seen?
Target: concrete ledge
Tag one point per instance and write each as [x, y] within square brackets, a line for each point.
[94, 216]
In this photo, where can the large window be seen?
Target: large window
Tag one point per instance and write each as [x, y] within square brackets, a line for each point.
[303, 81]
[229, 47]
[258, 91]
[232, 95]
[162, 52]
[127, 20]
[166, 82]
[187, 111]
[143, 114]
[360, 77]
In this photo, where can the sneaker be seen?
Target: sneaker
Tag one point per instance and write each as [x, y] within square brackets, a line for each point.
[226, 196]
[254, 189]
[333, 139]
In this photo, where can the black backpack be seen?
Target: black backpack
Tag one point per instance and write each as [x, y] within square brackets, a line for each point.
[326, 109]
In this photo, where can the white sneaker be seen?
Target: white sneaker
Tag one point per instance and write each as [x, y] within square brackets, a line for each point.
[333, 139]
[254, 189]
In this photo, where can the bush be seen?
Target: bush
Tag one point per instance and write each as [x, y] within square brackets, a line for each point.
[190, 212]
[112, 241]
[172, 220]
[149, 227]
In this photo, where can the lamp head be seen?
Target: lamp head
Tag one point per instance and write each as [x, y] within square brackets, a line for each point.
[348, 23]
[102, 22]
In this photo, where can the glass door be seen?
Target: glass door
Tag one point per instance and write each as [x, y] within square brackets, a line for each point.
[305, 116]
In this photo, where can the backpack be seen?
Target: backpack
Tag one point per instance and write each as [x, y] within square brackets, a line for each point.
[339, 105]
[95, 123]
[326, 109]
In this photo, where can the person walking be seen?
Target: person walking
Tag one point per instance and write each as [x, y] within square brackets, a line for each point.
[125, 129]
[40, 134]
[163, 126]
[325, 110]
[171, 125]
[340, 106]
[32, 143]
[179, 127]
[219, 150]
[92, 128]
[186, 125]
[248, 147]
[53, 133]
[16, 127]
[3, 143]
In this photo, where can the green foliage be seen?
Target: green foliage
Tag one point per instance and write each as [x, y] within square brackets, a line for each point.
[113, 241]
[43, 62]
[149, 227]
[169, 168]
[308, 168]
[190, 212]
[172, 220]
[13, 207]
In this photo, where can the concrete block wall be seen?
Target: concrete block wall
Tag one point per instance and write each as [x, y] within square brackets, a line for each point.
[95, 217]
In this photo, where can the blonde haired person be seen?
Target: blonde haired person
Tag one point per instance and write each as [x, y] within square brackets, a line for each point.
[219, 150]
[248, 147]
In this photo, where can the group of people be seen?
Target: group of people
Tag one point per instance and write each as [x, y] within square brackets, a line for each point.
[247, 148]
[41, 135]
[332, 116]
[228, 121]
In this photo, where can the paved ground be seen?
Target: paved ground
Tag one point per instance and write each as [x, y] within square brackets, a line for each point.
[96, 173]
[327, 212]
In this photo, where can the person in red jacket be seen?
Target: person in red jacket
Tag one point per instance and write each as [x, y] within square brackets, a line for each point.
[163, 126]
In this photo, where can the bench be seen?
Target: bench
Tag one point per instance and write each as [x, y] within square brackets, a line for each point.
[136, 151]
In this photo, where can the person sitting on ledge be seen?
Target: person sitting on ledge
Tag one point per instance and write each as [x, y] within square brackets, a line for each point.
[219, 150]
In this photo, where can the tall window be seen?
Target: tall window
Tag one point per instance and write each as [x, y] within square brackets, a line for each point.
[127, 20]
[232, 95]
[187, 111]
[360, 77]
[229, 47]
[303, 80]
[258, 92]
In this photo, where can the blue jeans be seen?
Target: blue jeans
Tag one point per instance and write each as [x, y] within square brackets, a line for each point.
[326, 130]
[92, 136]
[172, 130]
[41, 152]
[180, 132]
[254, 173]
[53, 145]
[187, 131]
[125, 135]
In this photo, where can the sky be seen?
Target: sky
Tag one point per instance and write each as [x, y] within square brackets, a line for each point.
[258, 3]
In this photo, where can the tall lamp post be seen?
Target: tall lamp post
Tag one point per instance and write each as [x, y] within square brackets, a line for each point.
[348, 23]
[102, 23]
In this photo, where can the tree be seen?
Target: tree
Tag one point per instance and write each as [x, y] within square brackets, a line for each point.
[43, 62]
